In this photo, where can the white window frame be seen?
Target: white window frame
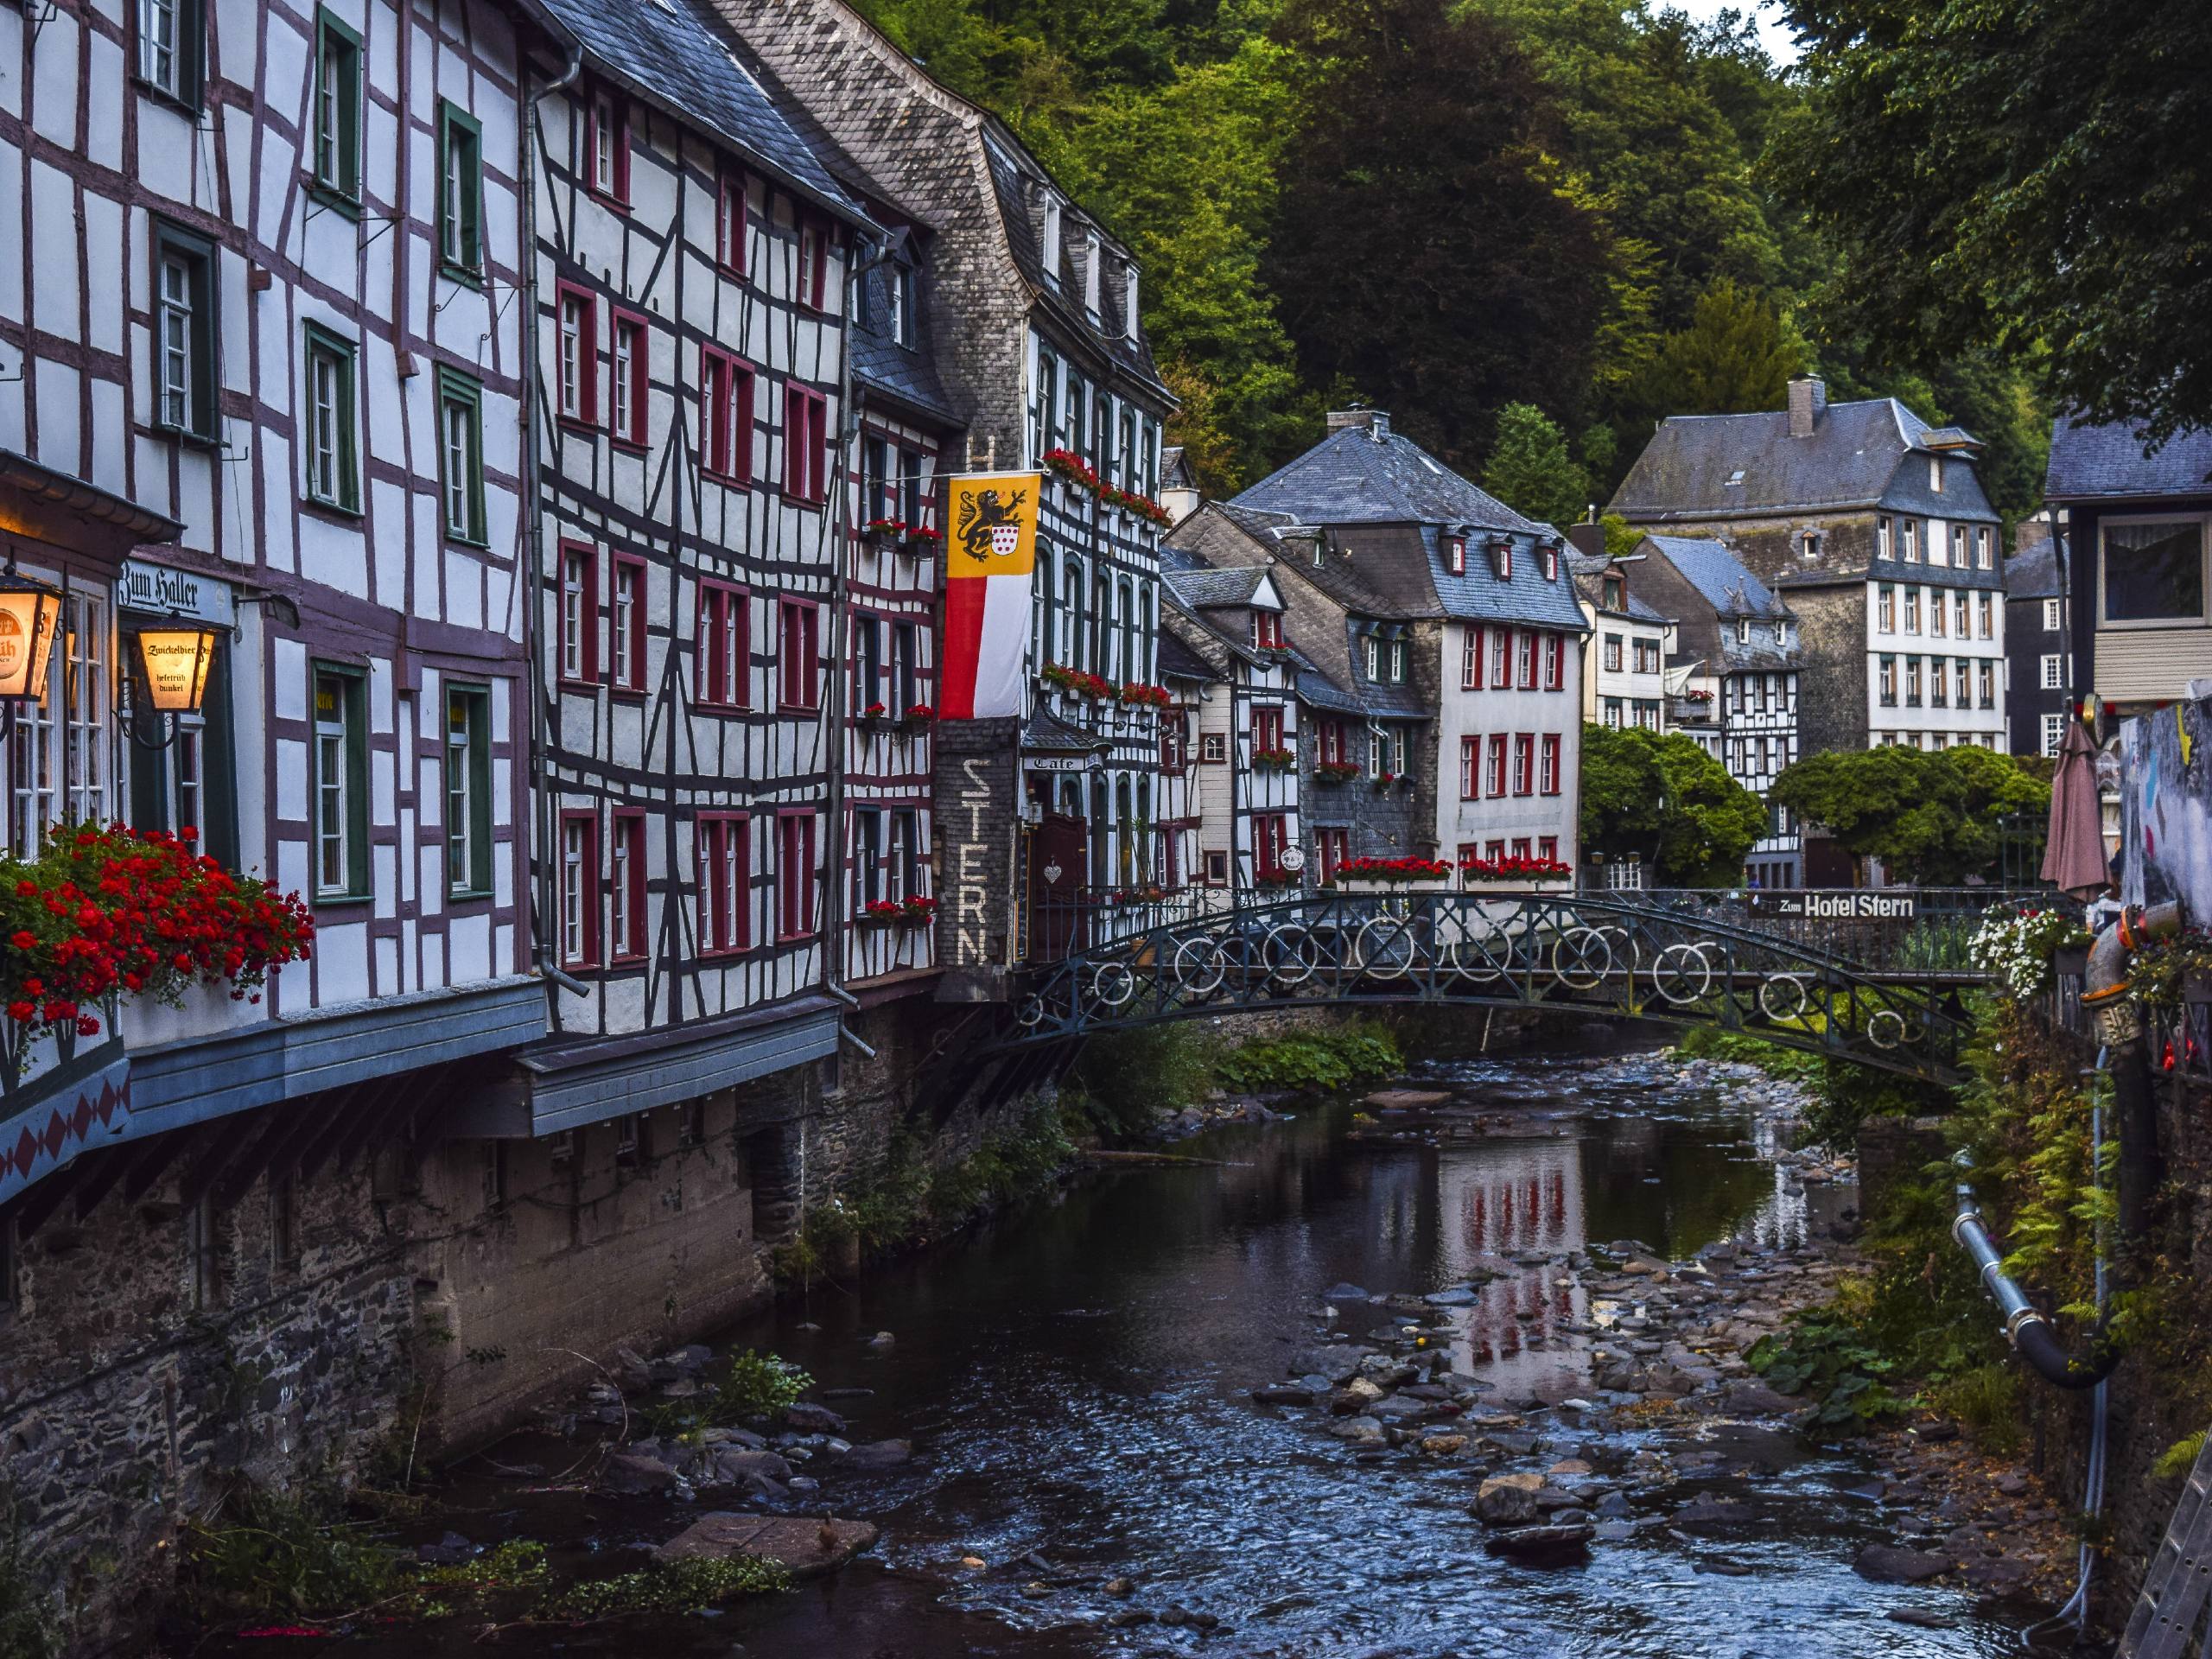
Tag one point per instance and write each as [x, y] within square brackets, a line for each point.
[175, 396]
[2053, 671]
[333, 785]
[159, 22]
[2053, 617]
[2054, 732]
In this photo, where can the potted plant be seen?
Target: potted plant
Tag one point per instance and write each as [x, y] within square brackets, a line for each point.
[881, 912]
[918, 713]
[873, 714]
[1275, 760]
[1335, 773]
[921, 539]
[881, 533]
[917, 908]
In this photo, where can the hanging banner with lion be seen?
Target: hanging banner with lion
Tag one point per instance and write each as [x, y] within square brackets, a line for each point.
[990, 549]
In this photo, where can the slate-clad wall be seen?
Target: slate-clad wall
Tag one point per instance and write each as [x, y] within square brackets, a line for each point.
[1832, 700]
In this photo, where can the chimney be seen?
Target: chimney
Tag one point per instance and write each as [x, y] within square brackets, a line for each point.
[1808, 400]
[1588, 539]
[1375, 422]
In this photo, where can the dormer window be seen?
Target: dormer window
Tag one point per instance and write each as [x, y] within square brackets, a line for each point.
[1267, 630]
[1812, 545]
[1743, 630]
[1130, 300]
[899, 295]
[1936, 474]
[1051, 250]
[1615, 593]
[1455, 554]
[1735, 480]
[1782, 633]
[1551, 563]
[1092, 259]
[1501, 559]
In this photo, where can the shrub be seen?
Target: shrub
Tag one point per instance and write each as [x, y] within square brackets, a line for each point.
[754, 1385]
[270, 1554]
[1323, 1061]
[1126, 1079]
[29, 1629]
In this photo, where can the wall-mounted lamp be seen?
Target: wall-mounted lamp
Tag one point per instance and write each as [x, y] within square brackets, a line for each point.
[173, 675]
[31, 616]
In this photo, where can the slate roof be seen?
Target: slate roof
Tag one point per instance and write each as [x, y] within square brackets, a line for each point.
[1205, 585]
[2090, 461]
[1014, 185]
[1589, 570]
[2032, 572]
[1352, 477]
[668, 53]
[1720, 577]
[1175, 468]
[1177, 661]
[1045, 732]
[1319, 691]
[1853, 459]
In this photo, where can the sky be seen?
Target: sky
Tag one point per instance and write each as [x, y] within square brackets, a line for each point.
[1773, 33]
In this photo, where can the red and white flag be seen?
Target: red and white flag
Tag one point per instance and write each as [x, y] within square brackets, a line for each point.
[989, 557]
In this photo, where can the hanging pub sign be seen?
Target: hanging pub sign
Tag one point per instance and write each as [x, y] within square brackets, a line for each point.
[989, 559]
[175, 662]
[30, 614]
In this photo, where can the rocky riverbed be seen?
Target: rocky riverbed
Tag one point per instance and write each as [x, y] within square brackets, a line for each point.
[1458, 1368]
[1671, 1434]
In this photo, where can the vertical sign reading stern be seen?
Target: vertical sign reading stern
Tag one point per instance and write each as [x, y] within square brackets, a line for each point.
[975, 817]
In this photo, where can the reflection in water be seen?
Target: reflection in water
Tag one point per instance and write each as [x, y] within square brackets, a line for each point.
[1078, 1378]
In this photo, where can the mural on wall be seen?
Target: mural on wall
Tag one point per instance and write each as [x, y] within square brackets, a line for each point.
[2165, 807]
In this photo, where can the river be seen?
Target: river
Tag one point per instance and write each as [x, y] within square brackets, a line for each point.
[1075, 1378]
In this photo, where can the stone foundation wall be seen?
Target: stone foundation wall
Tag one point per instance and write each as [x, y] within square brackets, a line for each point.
[156, 1354]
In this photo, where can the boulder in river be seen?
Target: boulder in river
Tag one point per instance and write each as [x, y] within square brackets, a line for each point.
[879, 1454]
[803, 1545]
[1706, 1510]
[1507, 1500]
[1891, 1564]
[809, 1419]
[632, 1472]
[1335, 1362]
[1539, 1545]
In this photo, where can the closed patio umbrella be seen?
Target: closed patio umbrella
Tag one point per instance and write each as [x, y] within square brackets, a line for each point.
[2074, 856]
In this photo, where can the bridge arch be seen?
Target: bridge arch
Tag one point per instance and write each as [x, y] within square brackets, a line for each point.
[1568, 952]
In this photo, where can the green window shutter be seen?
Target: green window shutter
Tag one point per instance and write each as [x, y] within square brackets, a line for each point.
[219, 787]
[479, 789]
[357, 783]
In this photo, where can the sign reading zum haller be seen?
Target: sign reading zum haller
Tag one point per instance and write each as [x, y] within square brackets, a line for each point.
[1840, 906]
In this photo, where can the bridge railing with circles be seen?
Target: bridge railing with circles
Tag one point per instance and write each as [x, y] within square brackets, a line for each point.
[1602, 955]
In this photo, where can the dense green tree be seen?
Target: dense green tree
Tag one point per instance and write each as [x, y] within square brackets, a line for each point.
[2021, 174]
[1932, 816]
[1735, 356]
[1669, 801]
[1530, 470]
[1426, 247]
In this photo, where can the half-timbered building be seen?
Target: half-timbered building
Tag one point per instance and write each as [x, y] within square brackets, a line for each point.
[262, 367]
[1491, 641]
[1248, 729]
[693, 260]
[1033, 308]
[1733, 679]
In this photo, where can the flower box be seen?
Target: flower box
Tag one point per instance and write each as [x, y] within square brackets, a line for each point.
[884, 532]
[920, 541]
[1274, 760]
[920, 714]
[1394, 869]
[1384, 780]
[915, 909]
[1335, 772]
[1138, 695]
[106, 911]
[1077, 683]
[1474, 870]
[881, 912]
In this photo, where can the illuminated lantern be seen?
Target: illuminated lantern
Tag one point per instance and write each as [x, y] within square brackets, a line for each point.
[30, 615]
[175, 661]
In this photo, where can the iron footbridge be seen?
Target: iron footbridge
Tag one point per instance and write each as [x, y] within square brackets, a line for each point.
[1565, 952]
